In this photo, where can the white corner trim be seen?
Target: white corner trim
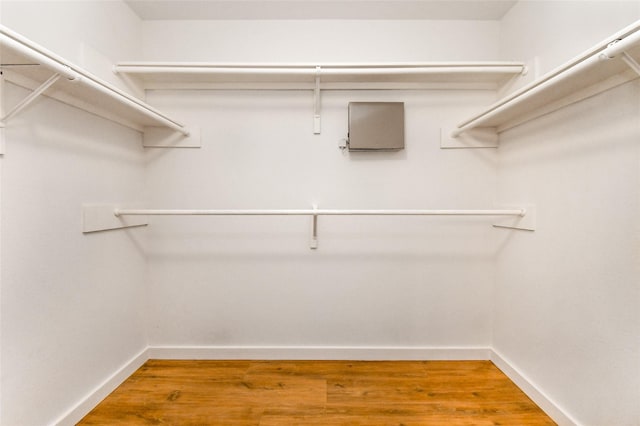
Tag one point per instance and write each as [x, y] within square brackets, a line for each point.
[364, 353]
[93, 398]
[547, 405]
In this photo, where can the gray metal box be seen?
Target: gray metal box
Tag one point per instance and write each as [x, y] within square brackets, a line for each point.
[376, 126]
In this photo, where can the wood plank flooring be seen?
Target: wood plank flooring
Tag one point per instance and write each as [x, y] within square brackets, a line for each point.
[268, 393]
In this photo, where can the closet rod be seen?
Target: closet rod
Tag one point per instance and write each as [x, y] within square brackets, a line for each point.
[42, 56]
[620, 45]
[603, 51]
[319, 212]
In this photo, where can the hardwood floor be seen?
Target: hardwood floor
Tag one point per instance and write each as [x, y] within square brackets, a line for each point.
[267, 393]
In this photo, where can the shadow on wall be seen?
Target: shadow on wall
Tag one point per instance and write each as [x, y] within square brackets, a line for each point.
[565, 135]
[450, 242]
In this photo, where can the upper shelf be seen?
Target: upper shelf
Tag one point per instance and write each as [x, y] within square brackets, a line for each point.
[30, 65]
[456, 75]
[604, 66]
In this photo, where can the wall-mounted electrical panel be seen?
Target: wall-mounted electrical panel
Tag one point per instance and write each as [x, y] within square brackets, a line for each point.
[376, 126]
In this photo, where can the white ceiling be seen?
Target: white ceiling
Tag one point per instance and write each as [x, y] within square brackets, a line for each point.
[320, 9]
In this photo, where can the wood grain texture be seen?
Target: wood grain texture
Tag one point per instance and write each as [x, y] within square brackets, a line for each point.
[268, 393]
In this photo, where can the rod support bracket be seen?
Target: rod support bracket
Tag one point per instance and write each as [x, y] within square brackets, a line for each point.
[313, 242]
[316, 103]
[605, 54]
[71, 75]
[525, 221]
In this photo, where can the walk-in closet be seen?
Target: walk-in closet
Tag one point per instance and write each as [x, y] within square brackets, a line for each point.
[416, 185]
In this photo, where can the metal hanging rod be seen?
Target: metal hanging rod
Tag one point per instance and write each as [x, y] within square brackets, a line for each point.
[318, 212]
[315, 212]
[103, 217]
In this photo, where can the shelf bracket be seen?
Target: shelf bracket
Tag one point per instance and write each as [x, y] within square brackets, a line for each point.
[29, 99]
[633, 64]
[527, 221]
[313, 242]
[102, 217]
[316, 104]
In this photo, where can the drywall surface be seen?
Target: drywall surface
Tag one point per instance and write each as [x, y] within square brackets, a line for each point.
[567, 300]
[92, 34]
[546, 34]
[253, 281]
[320, 41]
[72, 304]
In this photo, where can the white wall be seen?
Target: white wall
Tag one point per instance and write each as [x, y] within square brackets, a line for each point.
[547, 33]
[391, 282]
[93, 34]
[72, 309]
[320, 41]
[567, 301]
[72, 304]
[561, 304]
[372, 282]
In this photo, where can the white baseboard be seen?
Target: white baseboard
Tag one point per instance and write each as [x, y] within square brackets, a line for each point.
[319, 353]
[552, 409]
[82, 408]
[373, 353]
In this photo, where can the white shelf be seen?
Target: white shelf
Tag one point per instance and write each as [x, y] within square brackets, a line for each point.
[603, 67]
[318, 77]
[186, 75]
[29, 65]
